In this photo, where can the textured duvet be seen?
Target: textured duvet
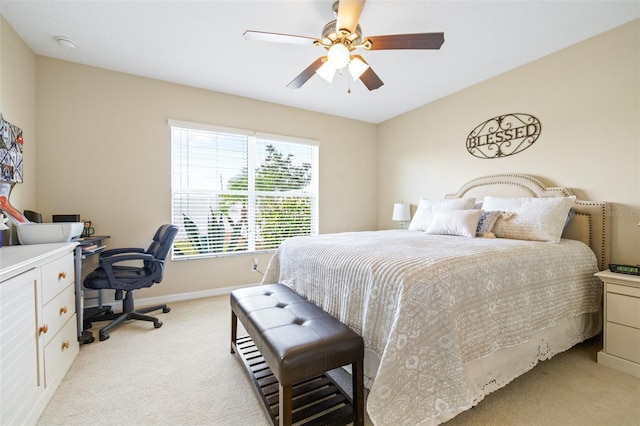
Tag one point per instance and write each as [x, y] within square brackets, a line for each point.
[430, 306]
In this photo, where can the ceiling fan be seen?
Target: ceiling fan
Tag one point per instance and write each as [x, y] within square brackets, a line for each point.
[341, 37]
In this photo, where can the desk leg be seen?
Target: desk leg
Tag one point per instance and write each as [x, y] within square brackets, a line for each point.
[78, 284]
[83, 337]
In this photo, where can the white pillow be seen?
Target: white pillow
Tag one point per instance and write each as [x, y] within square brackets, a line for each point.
[426, 208]
[455, 222]
[535, 219]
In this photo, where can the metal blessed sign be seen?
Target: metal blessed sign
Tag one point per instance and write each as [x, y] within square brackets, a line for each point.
[503, 136]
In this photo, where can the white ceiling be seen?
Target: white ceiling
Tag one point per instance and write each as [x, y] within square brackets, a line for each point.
[200, 44]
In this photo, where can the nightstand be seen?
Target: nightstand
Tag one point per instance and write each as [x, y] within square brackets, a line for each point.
[621, 322]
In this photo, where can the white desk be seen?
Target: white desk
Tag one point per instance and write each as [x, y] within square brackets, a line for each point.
[17, 259]
[38, 333]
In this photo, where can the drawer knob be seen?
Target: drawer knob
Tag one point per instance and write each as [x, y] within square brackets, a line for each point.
[65, 344]
[62, 275]
[63, 310]
[43, 329]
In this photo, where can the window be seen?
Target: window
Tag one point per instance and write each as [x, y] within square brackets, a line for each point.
[236, 191]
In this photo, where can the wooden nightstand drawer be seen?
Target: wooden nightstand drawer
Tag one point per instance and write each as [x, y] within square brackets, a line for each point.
[623, 289]
[623, 310]
[623, 342]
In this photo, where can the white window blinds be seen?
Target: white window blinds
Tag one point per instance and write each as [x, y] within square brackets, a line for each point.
[235, 191]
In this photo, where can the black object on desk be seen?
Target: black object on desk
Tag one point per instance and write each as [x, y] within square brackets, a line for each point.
[87, 247]
[33, 216]
[65, 218]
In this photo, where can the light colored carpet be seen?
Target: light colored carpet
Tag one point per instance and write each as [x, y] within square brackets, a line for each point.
[184, 374]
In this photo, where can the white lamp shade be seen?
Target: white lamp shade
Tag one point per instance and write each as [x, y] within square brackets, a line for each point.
[401, 212]
[356, 67]
[326, 71]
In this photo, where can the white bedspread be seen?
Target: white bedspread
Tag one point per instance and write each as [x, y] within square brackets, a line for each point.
[428, 306]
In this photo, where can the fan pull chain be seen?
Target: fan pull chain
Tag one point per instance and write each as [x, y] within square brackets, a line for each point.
[348, 82]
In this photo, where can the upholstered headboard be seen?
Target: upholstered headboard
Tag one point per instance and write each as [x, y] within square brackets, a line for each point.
[590, 224]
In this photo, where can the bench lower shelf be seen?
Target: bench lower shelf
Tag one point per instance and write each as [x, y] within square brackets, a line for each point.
[316, 401]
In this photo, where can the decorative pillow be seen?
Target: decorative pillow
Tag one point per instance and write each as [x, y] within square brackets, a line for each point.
[485, 225]
[535, 219]
[455, 222]
[570, 215]
[426, 208]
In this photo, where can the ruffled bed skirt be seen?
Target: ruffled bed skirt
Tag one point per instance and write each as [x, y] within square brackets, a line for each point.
[488, 374]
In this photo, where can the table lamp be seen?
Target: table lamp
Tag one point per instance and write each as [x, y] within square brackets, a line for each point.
[401, 213]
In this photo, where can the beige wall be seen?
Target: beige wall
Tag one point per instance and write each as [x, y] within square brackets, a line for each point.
[18, 106]
[103, 145]
[104, 152]
[587, 99]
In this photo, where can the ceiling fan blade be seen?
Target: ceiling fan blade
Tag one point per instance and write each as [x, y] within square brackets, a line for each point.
[279, 38]
[305, 75]
[406, 41]
[349, 14]
[369, 78]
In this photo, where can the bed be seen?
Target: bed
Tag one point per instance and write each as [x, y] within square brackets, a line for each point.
[447, 319]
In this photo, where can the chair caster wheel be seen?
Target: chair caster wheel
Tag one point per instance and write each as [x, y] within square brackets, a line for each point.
[87, 337]
[157, 324]
[166, 310]
[103, 336]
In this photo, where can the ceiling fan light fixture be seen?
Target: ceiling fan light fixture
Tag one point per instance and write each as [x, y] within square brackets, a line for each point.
[340, 38]
[326, 71]
[357, 67]
[339, 56]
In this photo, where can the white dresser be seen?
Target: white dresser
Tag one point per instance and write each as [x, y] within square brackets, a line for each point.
[38, 329]
[621, 322]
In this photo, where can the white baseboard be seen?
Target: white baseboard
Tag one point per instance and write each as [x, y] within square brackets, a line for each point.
[179, 297]
[620, 364]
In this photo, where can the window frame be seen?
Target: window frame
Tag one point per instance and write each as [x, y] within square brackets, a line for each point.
[253, 137]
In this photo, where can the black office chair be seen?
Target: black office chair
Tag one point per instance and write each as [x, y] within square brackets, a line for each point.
[110, 274]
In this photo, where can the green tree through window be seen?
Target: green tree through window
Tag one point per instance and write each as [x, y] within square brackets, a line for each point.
[277, 216]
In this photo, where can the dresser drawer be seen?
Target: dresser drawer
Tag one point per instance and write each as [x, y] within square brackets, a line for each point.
[623, 289]
[60, 353]
[56, 276]
[623, 309]
[622, 341]
[57, 312]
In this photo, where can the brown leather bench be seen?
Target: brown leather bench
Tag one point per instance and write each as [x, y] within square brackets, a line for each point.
[291, 346]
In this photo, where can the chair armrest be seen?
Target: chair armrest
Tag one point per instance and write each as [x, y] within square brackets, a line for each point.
[117, 258]
[111, 252]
